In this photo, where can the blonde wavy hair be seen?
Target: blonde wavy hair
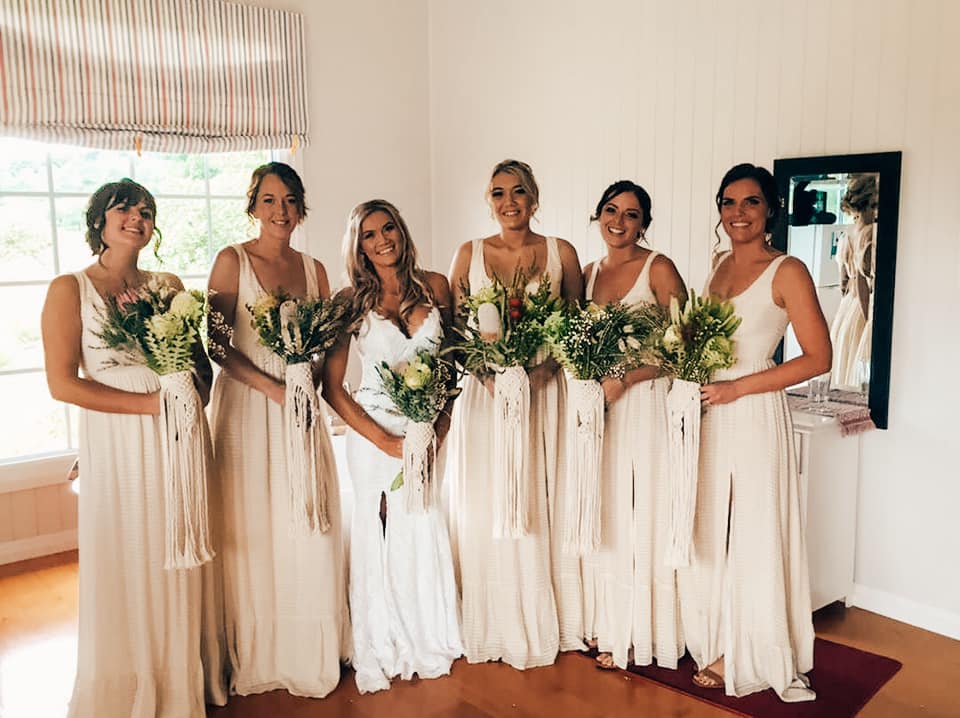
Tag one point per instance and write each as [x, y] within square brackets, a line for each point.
[363, 277]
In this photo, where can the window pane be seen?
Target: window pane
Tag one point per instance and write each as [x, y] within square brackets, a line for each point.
[183, 249]
[20, 346]
[72, 245]
[23, 165]
[230, 171]
[79, 169]
[26, 249]
[171, 174]
[230, 223]
[39, 423]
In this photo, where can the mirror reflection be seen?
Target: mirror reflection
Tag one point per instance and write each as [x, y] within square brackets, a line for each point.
[832, 227]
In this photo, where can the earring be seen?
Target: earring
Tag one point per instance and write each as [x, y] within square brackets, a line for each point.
[767, 237]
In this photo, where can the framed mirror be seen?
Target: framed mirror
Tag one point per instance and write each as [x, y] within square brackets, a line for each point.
[841, 218]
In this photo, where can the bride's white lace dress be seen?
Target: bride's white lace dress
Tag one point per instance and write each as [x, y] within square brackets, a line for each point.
[403, 597]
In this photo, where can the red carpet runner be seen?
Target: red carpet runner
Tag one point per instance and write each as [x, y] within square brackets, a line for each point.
[844, 678]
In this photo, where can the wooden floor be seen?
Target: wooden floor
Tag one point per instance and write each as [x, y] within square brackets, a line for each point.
[38, 613]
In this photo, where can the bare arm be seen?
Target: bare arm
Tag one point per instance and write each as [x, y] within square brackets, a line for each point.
[62, 330]
[334, 370]
[793, 289]
[572, 287]
[442, 296]
[223, 288]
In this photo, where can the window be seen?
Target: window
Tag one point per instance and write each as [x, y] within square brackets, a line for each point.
[43, 194]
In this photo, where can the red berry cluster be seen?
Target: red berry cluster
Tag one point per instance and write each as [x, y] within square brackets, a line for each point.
[516, 305]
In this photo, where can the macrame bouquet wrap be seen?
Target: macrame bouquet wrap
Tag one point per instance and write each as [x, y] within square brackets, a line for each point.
[419, 389]
[304, 422]
[692, 343]
[419, 462]
[503, 334]
[591, 343]
[300, 330]
[585, 419]
[161, 326]
[683, 450]
[185, 463]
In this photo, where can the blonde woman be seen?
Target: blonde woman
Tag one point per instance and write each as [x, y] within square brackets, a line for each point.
[510, 611]
[403, 597]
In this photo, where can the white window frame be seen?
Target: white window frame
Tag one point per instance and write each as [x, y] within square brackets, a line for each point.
[34, 471]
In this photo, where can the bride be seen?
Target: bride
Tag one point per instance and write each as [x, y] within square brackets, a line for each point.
[403, 598]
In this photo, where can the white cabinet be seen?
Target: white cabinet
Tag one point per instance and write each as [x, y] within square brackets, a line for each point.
[829, 467]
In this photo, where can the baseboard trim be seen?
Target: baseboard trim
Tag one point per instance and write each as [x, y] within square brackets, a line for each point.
[35, 546]
[929, 618]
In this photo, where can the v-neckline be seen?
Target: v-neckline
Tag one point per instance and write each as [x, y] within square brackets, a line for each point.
[399, 329]
[253, 271]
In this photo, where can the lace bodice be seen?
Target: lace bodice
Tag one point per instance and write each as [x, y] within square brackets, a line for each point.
[380, 340]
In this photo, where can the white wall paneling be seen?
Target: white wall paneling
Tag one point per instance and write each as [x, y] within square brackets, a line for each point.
[672, 95]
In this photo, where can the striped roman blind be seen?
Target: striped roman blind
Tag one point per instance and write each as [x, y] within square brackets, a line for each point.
[164, 75]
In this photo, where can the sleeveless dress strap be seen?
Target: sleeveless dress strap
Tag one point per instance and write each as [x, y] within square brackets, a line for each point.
[310, 274]
[594, 270]
[716, 266]
[554, 267]
[85, 286]
[477, 276]
[641, 288]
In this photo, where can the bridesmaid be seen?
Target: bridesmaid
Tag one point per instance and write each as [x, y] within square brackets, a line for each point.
[403, 596]
[746, 597]
[630, 595]
[284, 593]
[147, 640]
[509, 608]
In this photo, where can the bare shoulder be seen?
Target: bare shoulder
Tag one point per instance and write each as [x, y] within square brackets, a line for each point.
[566, 248]
[226, 259]
[792, 270]
[64, 290]
[587, 269]
[169, 279]
[437, 281]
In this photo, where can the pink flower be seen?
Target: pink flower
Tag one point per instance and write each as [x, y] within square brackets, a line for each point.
[126, 297]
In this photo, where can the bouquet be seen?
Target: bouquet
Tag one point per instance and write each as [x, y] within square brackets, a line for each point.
[692, 344]
[419, 388]
[299, 330]
[503, 333]
[161, 326]
[592, 343]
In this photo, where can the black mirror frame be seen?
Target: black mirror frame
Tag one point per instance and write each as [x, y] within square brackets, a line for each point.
[888, 165]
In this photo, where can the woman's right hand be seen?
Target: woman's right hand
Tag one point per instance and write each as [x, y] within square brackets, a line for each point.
[277, 391]
[391, 445]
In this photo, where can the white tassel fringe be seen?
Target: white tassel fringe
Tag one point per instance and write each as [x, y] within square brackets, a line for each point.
[419, 459]
[585, 421]
[187, 532]
[683, 437]
[304, 424]
[511, 434]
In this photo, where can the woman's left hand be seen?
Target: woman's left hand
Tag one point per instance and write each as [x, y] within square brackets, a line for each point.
[721, 392]
[542, 373]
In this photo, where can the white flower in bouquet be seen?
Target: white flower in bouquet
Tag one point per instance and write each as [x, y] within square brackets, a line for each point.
[165, 326]
[488, 322]
[186, 305]
[416, 374]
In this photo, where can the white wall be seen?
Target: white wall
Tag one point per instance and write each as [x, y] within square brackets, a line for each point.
[369, 125]
[673, 94]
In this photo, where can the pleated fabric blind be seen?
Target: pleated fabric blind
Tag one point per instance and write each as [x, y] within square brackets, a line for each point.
[161, 75]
